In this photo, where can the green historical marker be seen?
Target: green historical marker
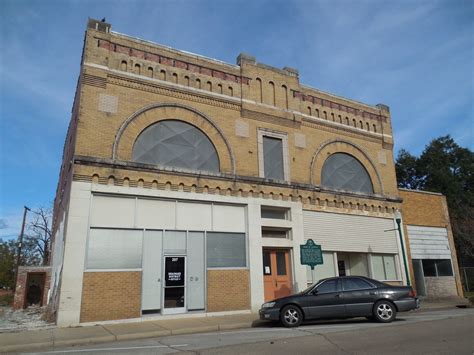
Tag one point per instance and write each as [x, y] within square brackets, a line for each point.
[311, 254]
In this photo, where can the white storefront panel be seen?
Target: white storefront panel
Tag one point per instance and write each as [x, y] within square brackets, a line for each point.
[428, 243]
[115, 212]
[153, 212]
[349, 233]
[148, 213]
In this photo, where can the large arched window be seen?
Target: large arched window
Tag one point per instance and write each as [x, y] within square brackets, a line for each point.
[344, 172]
[175, 144]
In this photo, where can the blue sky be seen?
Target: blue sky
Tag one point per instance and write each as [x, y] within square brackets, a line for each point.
[415, 56]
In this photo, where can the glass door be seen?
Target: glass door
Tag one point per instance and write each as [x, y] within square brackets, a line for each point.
[174, 295]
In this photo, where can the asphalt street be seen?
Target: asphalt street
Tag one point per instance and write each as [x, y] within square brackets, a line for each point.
[434, 332]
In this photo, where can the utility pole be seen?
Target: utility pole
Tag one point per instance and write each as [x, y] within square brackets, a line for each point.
[20, 242]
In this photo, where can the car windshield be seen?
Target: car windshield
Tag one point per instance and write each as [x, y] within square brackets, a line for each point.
[311, 287]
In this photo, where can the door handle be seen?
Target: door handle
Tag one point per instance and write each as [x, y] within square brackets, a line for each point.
[337, 296]
[372, 293]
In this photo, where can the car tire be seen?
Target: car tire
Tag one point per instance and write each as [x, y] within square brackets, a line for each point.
[384, 311]
[291, 316]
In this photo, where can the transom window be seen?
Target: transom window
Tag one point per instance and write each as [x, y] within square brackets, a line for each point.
[176, 144]
[343, 172]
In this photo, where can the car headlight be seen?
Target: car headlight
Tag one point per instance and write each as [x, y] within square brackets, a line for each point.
[268, 305]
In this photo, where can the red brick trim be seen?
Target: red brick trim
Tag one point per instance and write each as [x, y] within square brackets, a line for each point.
[331, 104]
[172, 62]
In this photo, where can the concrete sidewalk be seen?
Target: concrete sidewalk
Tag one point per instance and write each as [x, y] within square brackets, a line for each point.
[54, 337]
[82, 335]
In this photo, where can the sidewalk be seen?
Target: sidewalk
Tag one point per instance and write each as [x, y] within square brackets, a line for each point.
[82, 335]
[54, 337]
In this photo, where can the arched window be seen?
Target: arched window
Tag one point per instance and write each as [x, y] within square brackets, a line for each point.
[176, 144]
[344, 172]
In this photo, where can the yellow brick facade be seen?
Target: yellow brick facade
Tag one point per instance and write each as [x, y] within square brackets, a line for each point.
[111, 295]
[228, 290]
[216, 97]
[127, 84]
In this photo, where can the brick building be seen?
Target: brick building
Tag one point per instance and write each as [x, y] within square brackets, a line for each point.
[430, 245]
[189, 184]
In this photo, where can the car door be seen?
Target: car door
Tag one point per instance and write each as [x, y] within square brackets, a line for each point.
[358, 296]
[325, 301]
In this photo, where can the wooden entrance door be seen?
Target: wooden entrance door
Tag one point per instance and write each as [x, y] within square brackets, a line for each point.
[276, 273]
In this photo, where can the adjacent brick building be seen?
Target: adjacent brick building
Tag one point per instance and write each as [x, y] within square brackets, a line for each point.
[189, 184]
[430, 244]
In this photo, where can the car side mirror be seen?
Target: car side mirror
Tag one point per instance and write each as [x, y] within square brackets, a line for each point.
[314, 292]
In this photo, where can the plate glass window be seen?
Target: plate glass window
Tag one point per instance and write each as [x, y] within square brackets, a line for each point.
[226, 250]
[383, 267]
[437, 267]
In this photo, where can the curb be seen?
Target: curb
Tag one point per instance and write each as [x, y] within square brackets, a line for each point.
[112, 337]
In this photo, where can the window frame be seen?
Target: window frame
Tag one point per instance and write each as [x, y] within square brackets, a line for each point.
[286, 212]
[330, 159]
[338, 286]
[184, 123]
[383, 256]
[435, 264]
[228, 235]
[262, 132]
[371, 286]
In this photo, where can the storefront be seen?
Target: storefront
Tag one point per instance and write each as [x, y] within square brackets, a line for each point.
[354, 245]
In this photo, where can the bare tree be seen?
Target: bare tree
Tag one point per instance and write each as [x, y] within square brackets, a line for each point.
[39, 232]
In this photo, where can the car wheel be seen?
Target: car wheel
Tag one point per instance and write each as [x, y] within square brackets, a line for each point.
[384, 311]
[291, 316]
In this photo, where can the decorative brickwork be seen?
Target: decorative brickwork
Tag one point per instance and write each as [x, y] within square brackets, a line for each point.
[228, 290]
[312, 199]
[111, 295]
[340, 107]
[141, 54]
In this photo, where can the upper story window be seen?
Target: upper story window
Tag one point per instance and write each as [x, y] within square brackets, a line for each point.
[176, 144]
[273, 163]
[343, 172]
[275, 212]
